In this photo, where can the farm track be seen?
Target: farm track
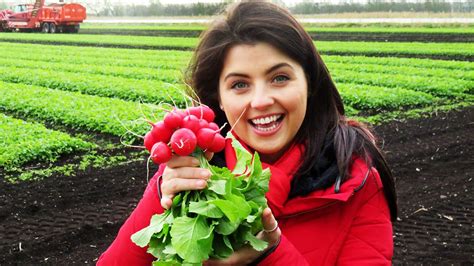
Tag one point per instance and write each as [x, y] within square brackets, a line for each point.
[178, 48]
[319, 36]
[65, 220]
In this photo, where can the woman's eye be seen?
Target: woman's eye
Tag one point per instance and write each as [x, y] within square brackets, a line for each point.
[280, 79]
[239, 85]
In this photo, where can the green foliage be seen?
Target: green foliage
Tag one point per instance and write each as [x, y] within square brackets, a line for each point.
[24, 142]
[213, 222]
[399, 48]
[138, 73]
[410, 70]
[374, 98]
[152, 59]
[100, 40]
[439, 86]
[94, 84]
[76, 110]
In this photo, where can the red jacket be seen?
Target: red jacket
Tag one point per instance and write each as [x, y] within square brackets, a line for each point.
[351, 227]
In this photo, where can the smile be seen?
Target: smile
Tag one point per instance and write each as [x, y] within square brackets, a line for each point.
[267, 124]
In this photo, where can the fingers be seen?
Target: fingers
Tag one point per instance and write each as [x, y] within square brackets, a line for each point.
[180, 161]
[269, 222]
[270, 226]
[181, 174]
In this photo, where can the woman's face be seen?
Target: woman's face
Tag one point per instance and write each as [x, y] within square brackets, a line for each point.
[268, 91]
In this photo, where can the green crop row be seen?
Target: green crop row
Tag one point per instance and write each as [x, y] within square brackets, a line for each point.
[100, 40]
[23, 142]
[77, 111]
[399, 48]
[464, 50]
[395, 61]
[175, 76]
[93, 84]
[352, 70]
[113, 116]
[88, 84]
[423, 30]
[373, 98]
[159, 59]
[91, 52]
[443, 87]
[402, 70]
[165, 75]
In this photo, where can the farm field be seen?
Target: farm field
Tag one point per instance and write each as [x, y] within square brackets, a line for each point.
[331, 32]
[68, 104]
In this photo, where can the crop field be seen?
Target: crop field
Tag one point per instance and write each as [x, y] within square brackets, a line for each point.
[73, 108]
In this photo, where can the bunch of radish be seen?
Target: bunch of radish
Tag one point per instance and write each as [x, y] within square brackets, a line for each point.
[181, 131]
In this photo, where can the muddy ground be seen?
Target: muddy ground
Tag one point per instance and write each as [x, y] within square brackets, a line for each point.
[72, 220]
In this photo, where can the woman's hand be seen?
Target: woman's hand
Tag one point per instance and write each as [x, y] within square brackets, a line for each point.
[182, 173]
[246, 255]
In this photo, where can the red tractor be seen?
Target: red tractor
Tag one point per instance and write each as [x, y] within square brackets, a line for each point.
[53, 18]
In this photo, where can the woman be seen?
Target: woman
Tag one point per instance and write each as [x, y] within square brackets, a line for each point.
[332, 196]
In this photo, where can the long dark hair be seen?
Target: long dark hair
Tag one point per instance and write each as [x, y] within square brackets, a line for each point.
[258, 21]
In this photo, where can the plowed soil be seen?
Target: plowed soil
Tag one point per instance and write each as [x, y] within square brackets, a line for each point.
[71, 220]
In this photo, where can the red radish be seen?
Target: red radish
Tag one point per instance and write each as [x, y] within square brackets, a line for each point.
[202, 112]
[173, 119]
[160, 153]
[214, 126]
[218, 144]
[191, 122]
[149, 141]
[183, 141]
[160, 132]
[203, 124]
[205, 138]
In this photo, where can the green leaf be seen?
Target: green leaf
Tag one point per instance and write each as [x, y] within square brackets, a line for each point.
[205, 209]
[226, 227]
[234, 207]
[166, 263]
[244, 157]
[218, 186]
[256, 243]
[142, 237]
[192, 238]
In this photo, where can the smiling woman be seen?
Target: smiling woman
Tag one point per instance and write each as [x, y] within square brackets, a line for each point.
[331, 195]
[268, 91]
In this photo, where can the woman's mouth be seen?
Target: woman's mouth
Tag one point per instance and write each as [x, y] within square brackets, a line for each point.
[267, 125]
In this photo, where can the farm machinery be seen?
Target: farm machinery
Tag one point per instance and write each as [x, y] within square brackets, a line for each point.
[52, 18]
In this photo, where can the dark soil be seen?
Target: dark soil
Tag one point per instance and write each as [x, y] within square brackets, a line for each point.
[72, 220]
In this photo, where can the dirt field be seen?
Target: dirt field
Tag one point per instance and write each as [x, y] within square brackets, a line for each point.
[66, 220]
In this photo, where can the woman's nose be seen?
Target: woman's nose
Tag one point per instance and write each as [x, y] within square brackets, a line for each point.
[262, 97]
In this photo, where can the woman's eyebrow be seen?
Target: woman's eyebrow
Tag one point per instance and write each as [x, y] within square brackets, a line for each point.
[271, 69]
[277, 66]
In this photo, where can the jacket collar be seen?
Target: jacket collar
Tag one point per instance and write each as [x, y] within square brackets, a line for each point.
[282, 172]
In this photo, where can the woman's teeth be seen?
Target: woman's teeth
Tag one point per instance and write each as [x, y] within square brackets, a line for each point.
[266, 120]
[266, 123]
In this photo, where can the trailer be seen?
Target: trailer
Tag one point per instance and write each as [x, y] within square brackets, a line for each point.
[52, 18]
